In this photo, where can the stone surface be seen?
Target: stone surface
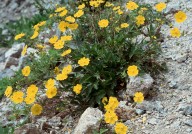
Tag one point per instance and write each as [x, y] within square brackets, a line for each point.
[11, 61]
[15, 51]
[188, 110]
[139, 84]
[55, 121]
[27, 129]
[89, 121]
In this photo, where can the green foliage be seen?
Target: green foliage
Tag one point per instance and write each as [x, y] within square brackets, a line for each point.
[101, 131]
[6, 130]
[112, 49]
[23, 25]
[3, 84]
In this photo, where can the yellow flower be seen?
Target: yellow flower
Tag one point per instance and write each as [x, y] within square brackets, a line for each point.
[17, 97]
[83, 61]
[66, 38]
[42, 23]
[26, 71]
[51, 92]
[62, 26]
[142, 10]
[67, 69]
[70, 19]
[81, 6]
[138, 97]
[120, 12]
[140, 20]
[109, 108]
[59, 44]
[180, 17]
[61, 76]
[35, 34]
[117, 29]
[112, 104]
[77, 89]
[29, 99]
[94, 3]
[32, 90]
[8, 91]
[24, 50]
[36, 109]
[63, 13]
[66, 52]
[59, 9]
[50, 83]
[132, 70]
[124, 25]
[160, 6]
[79, 13]
[110, 117]
[108, 4]
[18, 36]
[104, 100]
[53, 39]
[113, 101]
[175, 32]
[39, 46]
[131, 5]
[103, 23]
[73, 26]
[154, 37]
[116, 8]
[56, 70]
[120, 128]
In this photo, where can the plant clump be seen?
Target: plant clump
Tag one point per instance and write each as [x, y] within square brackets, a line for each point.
[101, 44]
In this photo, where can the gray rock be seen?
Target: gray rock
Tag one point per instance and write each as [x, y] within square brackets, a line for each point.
[151, 106]
[124, 111]
[173, 84]
[139, 84]
[11, 61]
[188, 111]
[15, 51]
[139, 111]
[27, 129]
[7, 73]
[175, 124]
[153, 121]
[55, 121]
[2, 66]
[89, 121]
[188, 123]
[182, 107]
[2, 54]
[189, 130]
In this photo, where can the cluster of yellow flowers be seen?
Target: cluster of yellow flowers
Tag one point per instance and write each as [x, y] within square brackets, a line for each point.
[180, 17]
[18, 97]
[36, 29]
[59, 43]
[64, 73]
[51, 89]
[111, 117]
[96, 3]
[70, 21]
